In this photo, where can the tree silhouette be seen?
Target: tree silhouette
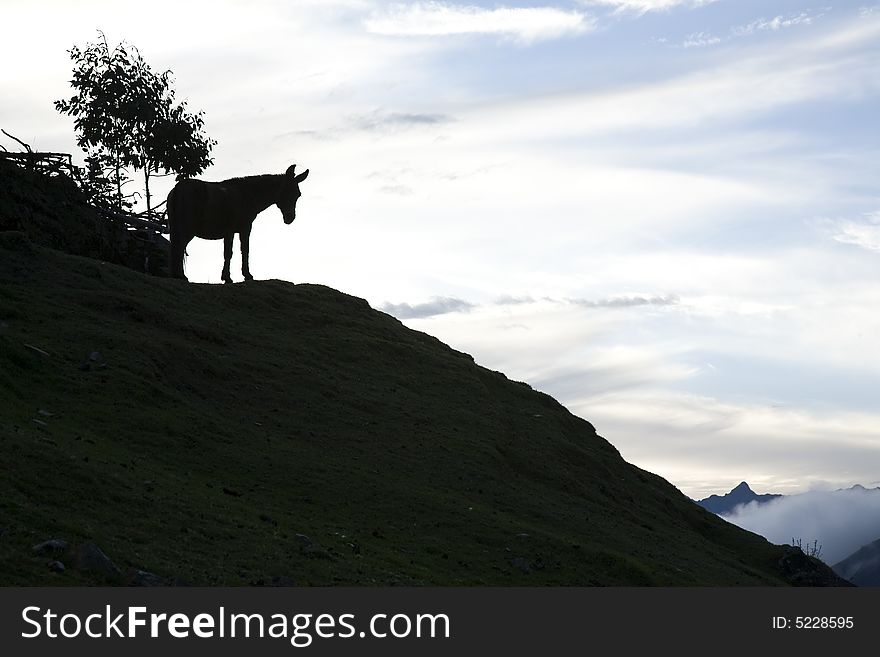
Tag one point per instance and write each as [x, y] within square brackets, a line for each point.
[125, 115]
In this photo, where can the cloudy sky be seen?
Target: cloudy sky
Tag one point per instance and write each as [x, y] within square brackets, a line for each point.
[665, 213]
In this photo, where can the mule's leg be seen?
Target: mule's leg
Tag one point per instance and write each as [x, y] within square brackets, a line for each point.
[245, 236]
[186, 239]
[174, 226]
[179, 240]
[227, 256]
[176, 255]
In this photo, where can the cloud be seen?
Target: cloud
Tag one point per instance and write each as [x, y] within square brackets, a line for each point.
[397, 190]
[694, 439]
[703, 39]
[864, 233]
[508, 300]
[372, 122]
[437, 306]
[744, 86]
[437, 19]
[627, 302]
[775, 24]
[610, 302]
[644, 6]
[611, 370]
[840, 521]
[699, 40]
[393, 120]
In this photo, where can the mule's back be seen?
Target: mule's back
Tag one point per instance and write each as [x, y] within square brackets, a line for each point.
[203, 209]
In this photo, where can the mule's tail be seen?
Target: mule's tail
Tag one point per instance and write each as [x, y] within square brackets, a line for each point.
[178, 245]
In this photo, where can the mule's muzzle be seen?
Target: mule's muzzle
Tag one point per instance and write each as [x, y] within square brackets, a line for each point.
[288, 217]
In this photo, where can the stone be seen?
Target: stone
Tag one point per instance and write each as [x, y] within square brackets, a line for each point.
[144, 578]
[316, 552]
[522, 564]
[52, 546]
[309, 548]
[95, 358]
[90, 557]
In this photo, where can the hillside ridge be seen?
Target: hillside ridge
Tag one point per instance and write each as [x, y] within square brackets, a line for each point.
[276, 433]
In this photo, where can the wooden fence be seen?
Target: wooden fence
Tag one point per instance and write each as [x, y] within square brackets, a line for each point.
[147, 225]
[140, 233]
[45, 163]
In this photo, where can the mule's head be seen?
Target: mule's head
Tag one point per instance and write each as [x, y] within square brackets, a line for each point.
[289, 193]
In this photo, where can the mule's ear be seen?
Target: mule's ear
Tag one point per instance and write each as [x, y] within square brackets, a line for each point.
[290, 172]
[302, 176]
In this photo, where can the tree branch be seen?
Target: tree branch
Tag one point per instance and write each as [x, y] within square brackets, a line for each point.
[26, 146]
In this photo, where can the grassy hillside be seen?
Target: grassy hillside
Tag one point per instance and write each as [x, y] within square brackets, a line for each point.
[271, 432]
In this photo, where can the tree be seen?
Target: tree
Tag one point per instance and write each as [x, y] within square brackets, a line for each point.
[102, 182]
[125, 115]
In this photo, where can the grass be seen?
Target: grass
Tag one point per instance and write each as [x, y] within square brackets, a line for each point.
[217, 423]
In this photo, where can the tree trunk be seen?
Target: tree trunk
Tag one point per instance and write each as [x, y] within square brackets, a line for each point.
[149, 237]
[118, 185]
[147, 190]
[118, 164]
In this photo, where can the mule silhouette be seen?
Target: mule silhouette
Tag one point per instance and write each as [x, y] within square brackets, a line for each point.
[219, 210]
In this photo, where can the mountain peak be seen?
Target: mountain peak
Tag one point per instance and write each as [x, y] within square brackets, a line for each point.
[741, 494]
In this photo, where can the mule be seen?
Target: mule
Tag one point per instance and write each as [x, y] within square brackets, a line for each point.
[219, 210]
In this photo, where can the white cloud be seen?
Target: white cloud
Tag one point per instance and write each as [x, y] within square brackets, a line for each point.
[436, 19]
[697, 441]
[864, 233]
[839, 521]
[775, 24]
[734, 89]
[702, 39]
[644, 6]
[437, 306]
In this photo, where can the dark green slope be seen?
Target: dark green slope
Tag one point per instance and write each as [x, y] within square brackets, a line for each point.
[271, 431]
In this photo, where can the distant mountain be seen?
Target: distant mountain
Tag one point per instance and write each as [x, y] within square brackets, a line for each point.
[859, 487]
[862, 567]
[742, 494]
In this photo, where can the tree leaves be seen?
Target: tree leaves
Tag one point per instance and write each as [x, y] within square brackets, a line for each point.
[125, 114]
